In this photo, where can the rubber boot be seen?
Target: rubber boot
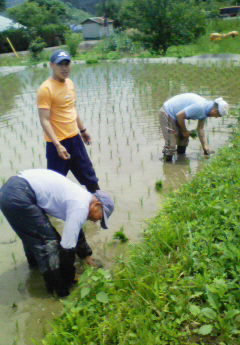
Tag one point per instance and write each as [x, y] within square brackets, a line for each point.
[83, 249]
[181, 150]
[167, 158]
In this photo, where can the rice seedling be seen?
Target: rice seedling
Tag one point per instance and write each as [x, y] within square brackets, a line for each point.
[158, 185]
[120, 235]
[193, 134]
[123, 122]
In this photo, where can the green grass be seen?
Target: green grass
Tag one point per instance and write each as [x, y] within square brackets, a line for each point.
[202, 46]
[205, 46]
[180, 285]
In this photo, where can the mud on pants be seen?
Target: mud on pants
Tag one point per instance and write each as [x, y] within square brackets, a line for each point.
[41, 242]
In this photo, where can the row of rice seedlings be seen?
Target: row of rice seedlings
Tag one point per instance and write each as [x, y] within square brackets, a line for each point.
[120, 107]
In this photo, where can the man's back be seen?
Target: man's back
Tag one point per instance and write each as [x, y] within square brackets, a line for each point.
[55, 193]
[180, 102]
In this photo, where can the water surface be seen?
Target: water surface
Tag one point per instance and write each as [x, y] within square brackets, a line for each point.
[119, 104]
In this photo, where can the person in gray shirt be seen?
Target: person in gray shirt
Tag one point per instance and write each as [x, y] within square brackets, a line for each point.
[182, 107]
[27, 199]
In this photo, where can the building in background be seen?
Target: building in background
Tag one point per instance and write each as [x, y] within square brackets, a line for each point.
[96, 28]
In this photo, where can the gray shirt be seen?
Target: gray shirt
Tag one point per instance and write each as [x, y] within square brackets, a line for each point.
[195, 107]
[61, 198]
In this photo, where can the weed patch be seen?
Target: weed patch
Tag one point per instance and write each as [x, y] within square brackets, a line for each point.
[181, 284]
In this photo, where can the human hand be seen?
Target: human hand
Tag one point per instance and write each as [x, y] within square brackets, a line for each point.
[186, 134]
[86, 138]
[62, 152]
[207, 152]
[89, 260]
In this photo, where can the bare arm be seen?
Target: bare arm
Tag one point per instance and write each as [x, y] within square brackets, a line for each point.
[181, 117]
[44, 115]
[202, 137]
[84, 134]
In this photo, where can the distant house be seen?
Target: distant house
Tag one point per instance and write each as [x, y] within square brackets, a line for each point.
[97, 28]
[6, 23]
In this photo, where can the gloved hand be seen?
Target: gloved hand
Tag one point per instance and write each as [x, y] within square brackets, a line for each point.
[54, 282]
[82, 248]
[67, 268]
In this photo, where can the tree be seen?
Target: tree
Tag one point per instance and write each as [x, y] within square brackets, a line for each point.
[2, 5]
[35, 13]
[163, 23]
[43, 18]
[110, 9]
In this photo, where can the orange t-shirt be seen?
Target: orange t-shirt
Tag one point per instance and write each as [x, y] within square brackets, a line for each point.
[60, 99]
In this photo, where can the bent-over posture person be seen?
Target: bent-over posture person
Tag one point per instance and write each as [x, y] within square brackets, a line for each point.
[182, 107]
[27, 198]
[64, 130]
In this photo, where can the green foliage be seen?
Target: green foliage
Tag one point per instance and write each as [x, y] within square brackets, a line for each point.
[111, 9]
[2, 5]
[36, 47]
[166, 22]
[44, 18]
[193, 134]
[158, 185]
[205, 46]
[20, 39]
[180, 285]
[86, 5]
[92, 61]
[119, 235]
[72, 41]
[53, 34]
[35, 14]
[118, 42]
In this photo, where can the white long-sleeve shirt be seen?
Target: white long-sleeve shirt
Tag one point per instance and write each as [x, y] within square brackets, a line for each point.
[61, 198]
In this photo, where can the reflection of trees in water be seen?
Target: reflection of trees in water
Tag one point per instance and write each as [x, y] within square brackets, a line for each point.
[19, 83]
[176, 173]
[10, 86]
[166, 80]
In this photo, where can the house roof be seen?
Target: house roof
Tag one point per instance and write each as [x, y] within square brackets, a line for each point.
[98, 20]
[6, 23]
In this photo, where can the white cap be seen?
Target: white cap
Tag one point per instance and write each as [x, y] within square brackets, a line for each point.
[223, 106]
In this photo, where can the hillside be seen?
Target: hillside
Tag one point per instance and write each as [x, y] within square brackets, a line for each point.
[85, 5]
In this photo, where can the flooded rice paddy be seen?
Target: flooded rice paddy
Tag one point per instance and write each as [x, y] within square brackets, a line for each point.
[119, 104]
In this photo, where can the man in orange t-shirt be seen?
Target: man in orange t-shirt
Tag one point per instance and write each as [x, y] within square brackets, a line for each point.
[61, 123]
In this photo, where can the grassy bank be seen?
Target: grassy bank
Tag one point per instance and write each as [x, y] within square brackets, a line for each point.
[204, 45]
[120, 45]
[180, 285]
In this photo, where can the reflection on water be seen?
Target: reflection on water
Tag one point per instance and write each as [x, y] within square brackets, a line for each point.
[119, 105]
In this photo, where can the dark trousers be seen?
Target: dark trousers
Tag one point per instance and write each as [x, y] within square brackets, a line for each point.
[79, 163]
[40, 239]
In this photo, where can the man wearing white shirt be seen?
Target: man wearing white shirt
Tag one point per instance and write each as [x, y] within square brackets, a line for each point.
[26, 199]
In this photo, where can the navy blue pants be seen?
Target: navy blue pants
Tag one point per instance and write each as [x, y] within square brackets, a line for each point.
[79, 163]
[30, 222]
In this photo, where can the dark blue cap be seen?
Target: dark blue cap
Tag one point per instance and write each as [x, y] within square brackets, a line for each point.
[59, 56]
